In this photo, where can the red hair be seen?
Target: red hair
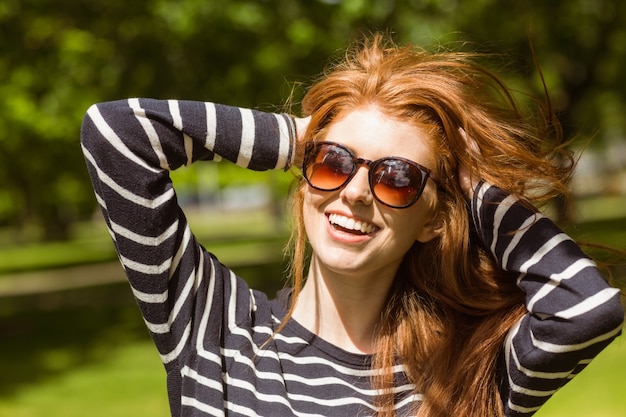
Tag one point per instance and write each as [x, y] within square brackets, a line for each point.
[450, 306]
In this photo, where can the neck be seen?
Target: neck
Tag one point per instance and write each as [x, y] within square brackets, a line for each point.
[344, 310]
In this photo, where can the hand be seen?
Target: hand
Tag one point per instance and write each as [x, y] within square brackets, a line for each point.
[467, 181]
[302, 124]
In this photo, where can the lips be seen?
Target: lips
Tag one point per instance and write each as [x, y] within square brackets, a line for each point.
[351, 225]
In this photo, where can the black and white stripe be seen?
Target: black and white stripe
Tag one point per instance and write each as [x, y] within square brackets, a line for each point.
[216, 337]
[572, 315]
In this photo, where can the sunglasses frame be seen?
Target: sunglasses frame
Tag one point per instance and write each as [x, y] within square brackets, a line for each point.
[358, 162]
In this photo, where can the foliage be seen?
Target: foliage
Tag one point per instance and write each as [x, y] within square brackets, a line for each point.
[61, 56]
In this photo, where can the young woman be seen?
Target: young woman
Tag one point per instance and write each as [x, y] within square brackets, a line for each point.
[432, 286]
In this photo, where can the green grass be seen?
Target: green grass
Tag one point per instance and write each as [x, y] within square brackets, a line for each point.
[131, 382]
[231, 233]
[599, 391]
[602, 207]
[39, 256]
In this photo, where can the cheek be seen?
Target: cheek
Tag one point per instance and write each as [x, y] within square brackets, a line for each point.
[308, 203]
[410, 225]
[312, 210]
[307, 212]
[408, 228]
[316, 200]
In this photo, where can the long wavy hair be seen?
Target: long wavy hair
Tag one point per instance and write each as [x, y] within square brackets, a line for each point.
[450, 306]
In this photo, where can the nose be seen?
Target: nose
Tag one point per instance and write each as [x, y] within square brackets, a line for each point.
[357, 190]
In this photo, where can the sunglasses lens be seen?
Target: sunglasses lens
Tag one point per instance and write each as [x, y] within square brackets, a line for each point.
[328, 166]
[396, 182]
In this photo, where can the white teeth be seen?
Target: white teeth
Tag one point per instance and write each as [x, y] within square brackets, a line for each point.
[351, 224]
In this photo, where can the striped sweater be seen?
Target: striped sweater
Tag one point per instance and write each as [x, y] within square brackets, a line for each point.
[216, 336]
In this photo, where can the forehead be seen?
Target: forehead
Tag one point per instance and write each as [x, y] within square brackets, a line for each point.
[373, 135]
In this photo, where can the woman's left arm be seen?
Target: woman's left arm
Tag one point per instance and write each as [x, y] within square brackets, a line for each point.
[572, 312]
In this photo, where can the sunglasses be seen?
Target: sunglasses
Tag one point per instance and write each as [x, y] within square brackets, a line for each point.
[395, 182]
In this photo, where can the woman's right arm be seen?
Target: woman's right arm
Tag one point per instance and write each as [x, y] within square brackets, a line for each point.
[130, 146]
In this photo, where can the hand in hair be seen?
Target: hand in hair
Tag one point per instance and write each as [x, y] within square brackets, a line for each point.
[467, 181]
[302, 124]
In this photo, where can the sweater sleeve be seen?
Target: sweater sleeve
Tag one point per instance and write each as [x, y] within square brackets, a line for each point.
[572, 312]
[130, 146]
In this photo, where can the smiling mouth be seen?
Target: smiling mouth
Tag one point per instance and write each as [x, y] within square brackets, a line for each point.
[349, 225]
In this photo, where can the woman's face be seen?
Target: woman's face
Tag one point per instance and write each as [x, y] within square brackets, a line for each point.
[386, 233]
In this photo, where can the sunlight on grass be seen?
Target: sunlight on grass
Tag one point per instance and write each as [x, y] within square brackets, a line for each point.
[599, 391]
[131, 383]
[589, 209]
[91, 243]
[39, 256]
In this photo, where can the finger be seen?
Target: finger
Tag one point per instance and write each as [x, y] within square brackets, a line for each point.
[471, 143]
[467, 179]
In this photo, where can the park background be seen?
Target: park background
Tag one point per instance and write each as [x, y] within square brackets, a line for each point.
[72, 342]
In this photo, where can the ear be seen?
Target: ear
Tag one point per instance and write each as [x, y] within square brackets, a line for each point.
[430, 230]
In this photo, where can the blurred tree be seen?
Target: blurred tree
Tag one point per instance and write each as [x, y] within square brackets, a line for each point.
[60, 56]
[580, 45]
